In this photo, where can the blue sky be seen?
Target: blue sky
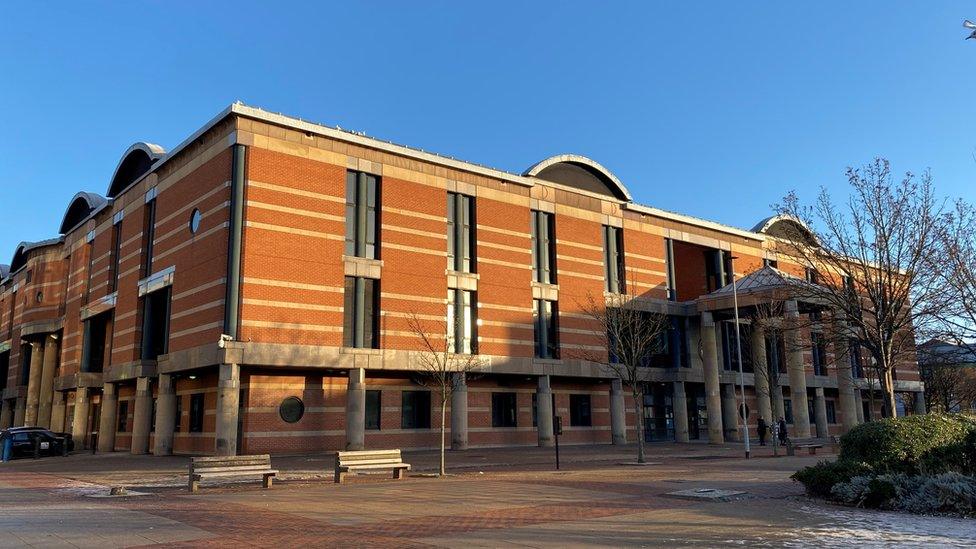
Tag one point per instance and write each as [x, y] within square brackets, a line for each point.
[715, 110]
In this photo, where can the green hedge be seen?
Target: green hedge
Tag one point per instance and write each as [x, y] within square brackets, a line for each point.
[820, 478]
[929, 444]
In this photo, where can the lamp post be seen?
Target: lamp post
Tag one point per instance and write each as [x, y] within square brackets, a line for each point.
[738, 349]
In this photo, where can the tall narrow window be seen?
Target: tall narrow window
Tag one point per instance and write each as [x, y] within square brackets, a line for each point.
[770, 263]
[196, 413]
[811, 275]
[543, 247]
[91, 269]
[373, 409]
[857, 362]
[613, 259]
[362, 207]
[116, 253]
[462, 321]
[819, 349]
[155, 324]
[460, 233]
[178, 418]
[580, 411]
[415, 410]
[718, 268]
[669, 266]
[148, 235]
[93, 344]
[546, 334]
[123, 416]
[361, 313]
[504, 411]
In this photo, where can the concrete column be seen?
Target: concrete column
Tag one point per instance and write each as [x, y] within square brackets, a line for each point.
[228, 400]
[820, 412]
[797, 372]
[80, 420]
[762, 374]
[356, 410]
[544, 412]
[779, 408]
[919, 403]
[459, 413]
[142, 417]
[713, 400]
[859, 405]
[6, 413]
[20, 411]
[845, 382]
[57, 411]
[679, 403]
[618, 413]
[730, 413]
[34, 384]
[47, 381]
[107, 423]
[165, 416]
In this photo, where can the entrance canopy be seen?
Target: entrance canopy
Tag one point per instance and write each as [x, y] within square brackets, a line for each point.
[762, 286]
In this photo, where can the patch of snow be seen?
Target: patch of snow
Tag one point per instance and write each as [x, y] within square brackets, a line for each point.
[867, 528]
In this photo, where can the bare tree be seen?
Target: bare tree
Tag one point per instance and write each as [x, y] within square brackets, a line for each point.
[958, 317]
[441, 370]
[877, 255]
[949, 373]
[631, 332]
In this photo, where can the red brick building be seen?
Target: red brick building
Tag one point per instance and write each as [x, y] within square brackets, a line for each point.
[249, 291]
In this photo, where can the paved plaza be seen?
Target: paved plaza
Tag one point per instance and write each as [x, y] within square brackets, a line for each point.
[494, 498]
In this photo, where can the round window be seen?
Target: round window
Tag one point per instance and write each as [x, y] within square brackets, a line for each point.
[195, 221]
[291, 410]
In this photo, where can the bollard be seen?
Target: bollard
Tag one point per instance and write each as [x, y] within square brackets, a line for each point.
[8, 449]
[37, 448]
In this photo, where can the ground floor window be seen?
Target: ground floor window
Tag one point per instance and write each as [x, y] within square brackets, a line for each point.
[196, 413]
[831, 412]
[415, 410]
[788, 410]
[580, 411]
[373, 403]
[504, 411]
[123, 416]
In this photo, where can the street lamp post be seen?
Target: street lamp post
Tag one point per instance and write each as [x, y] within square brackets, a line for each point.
[738, 349]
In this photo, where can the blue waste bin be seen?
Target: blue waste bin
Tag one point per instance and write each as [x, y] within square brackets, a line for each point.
[8, 449]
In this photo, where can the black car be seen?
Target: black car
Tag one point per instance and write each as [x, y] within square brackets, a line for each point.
[30, 440]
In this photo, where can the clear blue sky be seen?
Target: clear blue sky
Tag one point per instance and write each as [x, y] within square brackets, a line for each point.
[714, 111]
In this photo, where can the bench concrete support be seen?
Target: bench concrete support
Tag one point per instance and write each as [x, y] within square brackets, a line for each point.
[544, 412]
[762, 377]
[618, 414]
[228, 400]
[142, 416]
[34, 384]
[730, 414]
[57, 411]
[797, 372]
[356, 409]
[820, 412]
[680, 406]
[20, 411]
[713, 398]
[459, 413]
[165, 416]
[80, 420]
[107, 423]
[47, 381]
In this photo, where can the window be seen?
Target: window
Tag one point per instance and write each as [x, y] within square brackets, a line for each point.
[373, 409]
[543, 247]
[195, 218]
[362, 205]
[819, 349]
[361, 313]
[116, 253]
[91, 269]
[788, 410]
[155, 324]
[669, 267]
[504, 411]
[26, 350]
[770, 263]
[93, 344]
[291, 409]
[460, 233]
[123, 416]
[730, 347]
[415, 410]
[152, 417]
[857, 362]
[831, 412]
[776, 351]
[544, 315]
[196, 413]
[718, 269]
[579, 411]
[179, 413]
[148, 235]
[462, 321]
[613, 259]
[29, 277]
[672, 350]
[811, 275]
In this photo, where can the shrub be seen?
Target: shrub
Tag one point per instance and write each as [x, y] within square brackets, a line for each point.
[819, 479]
[851, 492]
[910, 444]
[945, 493]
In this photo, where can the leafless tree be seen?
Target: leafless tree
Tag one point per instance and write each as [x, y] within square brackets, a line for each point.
[767, 316]
[949, 373]
[630, 331]
[440, 369]
[877, 255]
[958, 276]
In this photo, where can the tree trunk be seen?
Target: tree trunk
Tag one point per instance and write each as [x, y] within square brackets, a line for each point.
[639, 424]
[443, 468]
[888, 386]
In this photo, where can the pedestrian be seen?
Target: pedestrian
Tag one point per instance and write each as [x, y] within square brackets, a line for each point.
[762, 427]
[782, 432]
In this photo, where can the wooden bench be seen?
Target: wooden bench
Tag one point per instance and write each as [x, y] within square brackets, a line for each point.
[369, 460]
[230, 466]
[812, 445]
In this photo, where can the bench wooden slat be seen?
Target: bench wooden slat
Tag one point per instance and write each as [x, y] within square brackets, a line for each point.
[366, 460]
[369, 461]
[232, 463]
[376, 466]
[205, 459]
[230, 466]
[211, 470]
[237, 473]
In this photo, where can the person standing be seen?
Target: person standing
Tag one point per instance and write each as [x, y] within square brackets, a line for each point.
[762, 427]
[782, 432]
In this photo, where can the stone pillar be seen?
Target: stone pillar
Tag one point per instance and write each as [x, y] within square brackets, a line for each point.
[228, 400]
[859, 405]
[165, 416]
[20, 411]
[779, 408]
[919, 403]
[34, 384]
[544, 411]
[797, 372]
[820, 412]
[57, 411]
[845, 378]
[80, 420]
[679, 403]
[47, 381]
[713, 400]
[107, 423]
[142, 417]
[459, 413]
[730, 413]
[356, 410]
[618, 413]
[762, 374]
[6, 413]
